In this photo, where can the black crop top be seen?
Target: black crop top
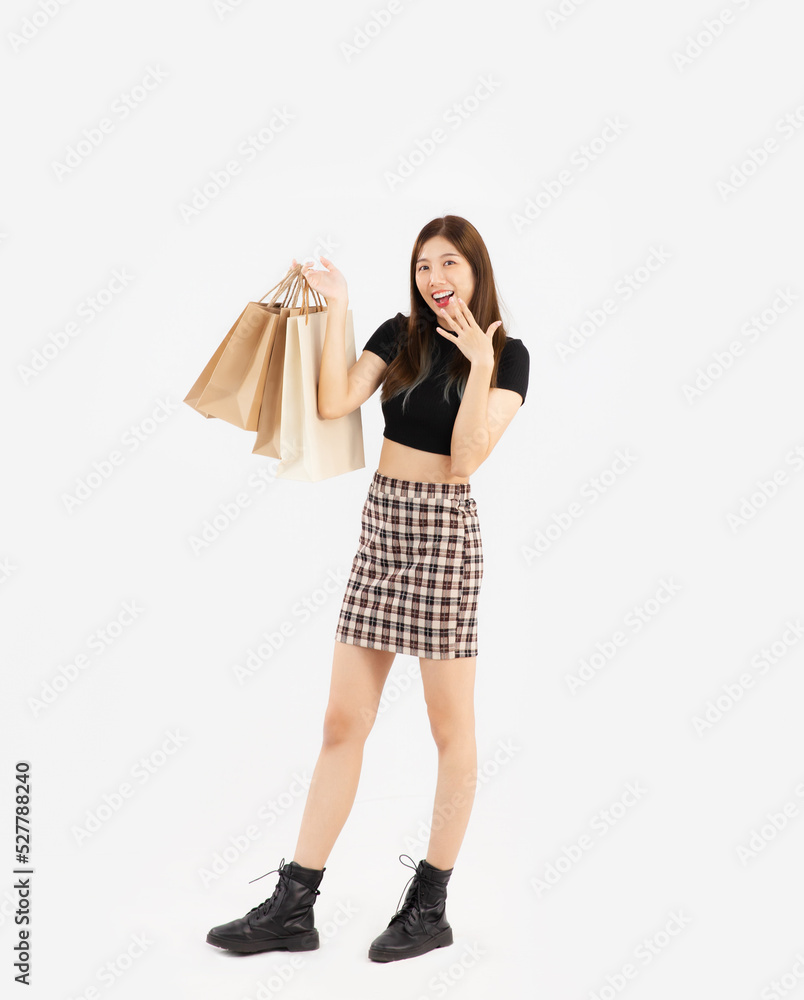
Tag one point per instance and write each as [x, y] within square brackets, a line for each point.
[428, 419]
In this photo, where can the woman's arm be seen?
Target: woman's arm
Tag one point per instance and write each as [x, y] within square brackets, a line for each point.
[472, 443]
[333, 380]
[470, 433]
[484, 413]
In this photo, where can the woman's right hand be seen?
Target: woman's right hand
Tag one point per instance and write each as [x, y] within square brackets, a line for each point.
[330, 283]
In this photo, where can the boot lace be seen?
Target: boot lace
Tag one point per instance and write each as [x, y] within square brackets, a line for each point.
[263, 909]
[415, 900]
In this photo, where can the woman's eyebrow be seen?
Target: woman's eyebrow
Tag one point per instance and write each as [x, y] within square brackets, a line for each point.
[443, 255]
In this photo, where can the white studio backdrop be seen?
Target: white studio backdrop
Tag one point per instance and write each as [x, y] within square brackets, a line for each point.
[635, 170]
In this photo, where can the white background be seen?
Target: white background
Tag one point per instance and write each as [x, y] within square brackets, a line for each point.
[323, 183]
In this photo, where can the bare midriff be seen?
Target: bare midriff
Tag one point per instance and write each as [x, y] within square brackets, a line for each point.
[401, 462]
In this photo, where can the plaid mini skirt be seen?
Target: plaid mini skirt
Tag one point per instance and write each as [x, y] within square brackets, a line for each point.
[415, 579]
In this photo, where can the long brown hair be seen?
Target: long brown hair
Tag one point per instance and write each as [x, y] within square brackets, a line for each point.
[415, 359]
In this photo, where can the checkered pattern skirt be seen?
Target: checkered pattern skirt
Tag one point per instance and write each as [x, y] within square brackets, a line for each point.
[415, 579]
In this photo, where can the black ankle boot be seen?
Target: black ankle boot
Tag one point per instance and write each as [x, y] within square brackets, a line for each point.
[421, 924]
[284, 920]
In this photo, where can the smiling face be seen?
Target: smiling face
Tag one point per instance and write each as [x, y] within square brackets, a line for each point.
[440, 268]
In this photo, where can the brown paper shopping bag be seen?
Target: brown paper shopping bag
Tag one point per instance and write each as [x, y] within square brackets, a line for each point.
[233, 389]
[231, 385]
[270, 416]
[312, 448]
[200, 384]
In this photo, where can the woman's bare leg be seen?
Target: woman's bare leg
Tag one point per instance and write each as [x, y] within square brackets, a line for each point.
[358, 677]
[449, 687]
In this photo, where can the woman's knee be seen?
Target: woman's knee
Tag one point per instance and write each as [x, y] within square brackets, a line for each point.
[347, 724]
[358, 677]
[451, 730]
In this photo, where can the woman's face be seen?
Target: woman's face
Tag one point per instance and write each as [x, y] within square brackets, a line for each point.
[440, 268]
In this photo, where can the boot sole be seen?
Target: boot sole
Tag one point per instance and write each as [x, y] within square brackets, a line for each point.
[308, 941]
[439, 941]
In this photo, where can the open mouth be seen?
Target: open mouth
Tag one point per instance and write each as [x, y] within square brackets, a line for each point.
[443, 297]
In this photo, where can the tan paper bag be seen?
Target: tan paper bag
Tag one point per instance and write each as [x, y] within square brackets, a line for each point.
[234, 389]
[231, 385]
[312, 448]
[270, 417]
[201, 382]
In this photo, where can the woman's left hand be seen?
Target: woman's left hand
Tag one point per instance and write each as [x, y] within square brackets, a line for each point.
[470, 339]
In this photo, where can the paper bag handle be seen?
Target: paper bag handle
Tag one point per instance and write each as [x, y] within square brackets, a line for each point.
[289, 286]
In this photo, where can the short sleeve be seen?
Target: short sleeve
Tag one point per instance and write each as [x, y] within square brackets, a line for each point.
[385, 339]
[513, 370]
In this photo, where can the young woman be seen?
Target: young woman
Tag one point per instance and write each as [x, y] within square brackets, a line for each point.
[452, 381]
